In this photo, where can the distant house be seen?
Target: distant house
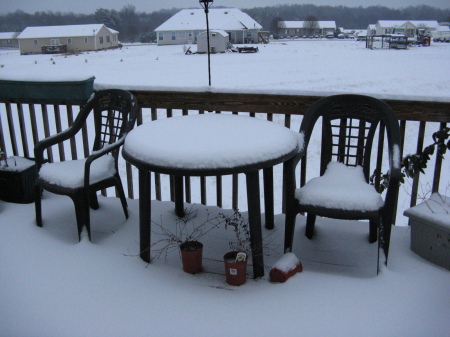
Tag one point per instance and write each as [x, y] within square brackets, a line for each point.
[186, 25]
[411, 28]
[69, 38]
[218, 41]
[299, 28]
[9, 40]
[442, 32]
[371, 29]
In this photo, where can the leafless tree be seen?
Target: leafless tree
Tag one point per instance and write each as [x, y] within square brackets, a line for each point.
[277, 26]
[311, 24]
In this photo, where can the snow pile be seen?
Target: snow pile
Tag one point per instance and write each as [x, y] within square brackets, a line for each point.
[287, 262]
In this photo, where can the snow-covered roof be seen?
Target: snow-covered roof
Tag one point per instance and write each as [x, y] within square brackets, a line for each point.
[219, 18]
[425, 23]
[300, 24]
[443, 29]
[8, 35]
[417, 23]
[391, 23]
[62, 31]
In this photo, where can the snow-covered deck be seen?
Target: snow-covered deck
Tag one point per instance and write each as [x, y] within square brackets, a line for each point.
[51, 285]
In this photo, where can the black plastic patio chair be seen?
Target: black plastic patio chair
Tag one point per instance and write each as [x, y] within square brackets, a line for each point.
[349, 126]
[114, 113]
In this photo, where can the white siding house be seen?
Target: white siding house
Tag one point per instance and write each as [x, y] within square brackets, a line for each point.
[9, 40]
[409, 28]
[185, 26]
[371, 29]
[298, 28]
[68, 38]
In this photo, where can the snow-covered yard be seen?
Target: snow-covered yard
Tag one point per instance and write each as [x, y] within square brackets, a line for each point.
[51, 285]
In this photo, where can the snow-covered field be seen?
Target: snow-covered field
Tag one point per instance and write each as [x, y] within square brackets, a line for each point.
[51, 285]
[325, 66]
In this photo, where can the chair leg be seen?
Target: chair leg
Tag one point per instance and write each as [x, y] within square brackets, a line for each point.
[87, 220]
[123, 199]
[38, 204]
[373, 231]
[310, 224]
[93, 200]
[82, 213]
[385, 236]
[289, 229]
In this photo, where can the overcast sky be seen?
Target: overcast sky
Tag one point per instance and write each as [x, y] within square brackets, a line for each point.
[89, 6]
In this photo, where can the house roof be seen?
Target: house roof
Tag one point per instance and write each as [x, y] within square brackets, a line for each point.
[424, 23]
[62, 31]
[300, 24]
[443, 29]
[391, 23]
[219, 18]
[417, 23]
[8, 35]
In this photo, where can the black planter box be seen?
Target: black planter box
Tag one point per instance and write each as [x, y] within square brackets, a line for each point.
[17, 181]
[47, 92]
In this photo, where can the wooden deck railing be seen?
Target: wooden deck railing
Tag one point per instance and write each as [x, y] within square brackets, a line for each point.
[23, 124]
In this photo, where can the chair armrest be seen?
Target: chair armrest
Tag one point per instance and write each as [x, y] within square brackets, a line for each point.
[394, 175]
[289, 179]
[97, 154]
[43, 144]
[68, 133]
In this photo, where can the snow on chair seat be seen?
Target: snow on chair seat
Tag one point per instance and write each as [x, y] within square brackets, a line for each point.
[70, 173]
[341, 187]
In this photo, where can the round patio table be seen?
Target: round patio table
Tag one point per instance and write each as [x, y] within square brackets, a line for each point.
[208, 145]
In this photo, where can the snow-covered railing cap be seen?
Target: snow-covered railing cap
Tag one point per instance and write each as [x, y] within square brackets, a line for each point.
[56, 91]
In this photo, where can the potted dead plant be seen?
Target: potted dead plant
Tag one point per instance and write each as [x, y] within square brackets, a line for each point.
[236, 259]
[185, 236]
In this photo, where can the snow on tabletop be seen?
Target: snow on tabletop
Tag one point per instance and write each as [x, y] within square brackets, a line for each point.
[286, 263]
[210, 141]
[435, 209]
[16, 164]
[341, 187]
[71, 173]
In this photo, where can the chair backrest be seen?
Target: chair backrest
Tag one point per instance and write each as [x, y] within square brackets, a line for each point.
[349, 124]
[115, 113]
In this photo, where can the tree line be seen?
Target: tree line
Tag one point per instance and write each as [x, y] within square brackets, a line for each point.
[347, 17]
[137, 26]
[132, 25]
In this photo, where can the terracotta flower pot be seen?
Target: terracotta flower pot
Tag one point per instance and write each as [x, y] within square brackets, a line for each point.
[236, 272]
[191, 256]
